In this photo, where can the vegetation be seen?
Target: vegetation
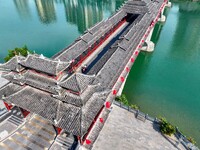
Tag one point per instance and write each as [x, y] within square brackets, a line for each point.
[17, 51]
[124, 101]
[166, 127]
[191, 140]
[134, 106]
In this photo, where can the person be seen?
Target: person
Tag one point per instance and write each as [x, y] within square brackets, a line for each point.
[84, 68]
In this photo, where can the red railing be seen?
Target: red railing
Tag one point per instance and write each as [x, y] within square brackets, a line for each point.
[91, 126]
[74, 66]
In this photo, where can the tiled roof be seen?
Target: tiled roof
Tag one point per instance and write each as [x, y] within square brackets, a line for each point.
[77, 82]
[9, 89]
[73, 119]
[44, 65]
[14, 78]
[13, 64]
[40, 82]
[79, 100]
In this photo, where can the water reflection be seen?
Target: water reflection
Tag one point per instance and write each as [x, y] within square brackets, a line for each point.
[187, 30]
[46, 11]
[83, 13]
[22, 8]
[189, 7]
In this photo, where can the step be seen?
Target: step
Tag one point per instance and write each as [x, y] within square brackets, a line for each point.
[65, 141]
[15, 120]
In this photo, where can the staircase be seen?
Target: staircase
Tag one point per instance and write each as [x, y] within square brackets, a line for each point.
[15, 120]
[66, 142]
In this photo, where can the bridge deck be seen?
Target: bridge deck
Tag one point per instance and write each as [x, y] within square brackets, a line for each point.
[54, 89]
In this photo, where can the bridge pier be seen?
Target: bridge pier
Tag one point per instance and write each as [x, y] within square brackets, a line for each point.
[169, 4]
[163, 17]
[148, 45]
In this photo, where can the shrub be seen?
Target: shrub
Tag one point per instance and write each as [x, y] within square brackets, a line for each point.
[191, 140]
[122, 99]
[17, 51]
[166, 127]
[134, 106]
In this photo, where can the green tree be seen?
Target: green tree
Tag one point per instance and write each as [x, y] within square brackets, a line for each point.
[17, 51]
[166, 127]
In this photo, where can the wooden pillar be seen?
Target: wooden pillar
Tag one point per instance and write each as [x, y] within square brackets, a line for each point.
[58, 130]
[24, 112]
[9, 107]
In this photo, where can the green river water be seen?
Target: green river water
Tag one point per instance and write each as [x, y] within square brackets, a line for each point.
[163, 83]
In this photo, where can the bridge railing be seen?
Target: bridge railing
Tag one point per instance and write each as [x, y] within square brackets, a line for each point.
[182, 138]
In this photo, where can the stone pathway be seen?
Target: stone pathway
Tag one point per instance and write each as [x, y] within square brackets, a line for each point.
[122, 131]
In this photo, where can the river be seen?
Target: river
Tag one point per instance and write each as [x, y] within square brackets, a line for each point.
[165, 82]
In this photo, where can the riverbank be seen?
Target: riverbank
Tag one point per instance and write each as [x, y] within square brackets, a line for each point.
[123, 131]
[165, 82]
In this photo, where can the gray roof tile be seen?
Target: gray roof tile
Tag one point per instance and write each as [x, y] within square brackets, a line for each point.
[44, 65]
[13, 64]
[77, 82]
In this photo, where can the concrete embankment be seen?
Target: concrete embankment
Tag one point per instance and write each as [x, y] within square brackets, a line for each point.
[122, 131]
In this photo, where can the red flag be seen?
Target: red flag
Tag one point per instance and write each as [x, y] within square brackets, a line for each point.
[88, 141]
[107, 104]
[101, 120]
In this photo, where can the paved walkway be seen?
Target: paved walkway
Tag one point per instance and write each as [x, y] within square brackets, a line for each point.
[122, 131]
[99, 49]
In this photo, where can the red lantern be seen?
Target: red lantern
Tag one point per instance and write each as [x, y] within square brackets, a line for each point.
[127, 69]
[101, 120]
[122, 79]
[114, 92]
[142, 41]
[88, 141]
[140, 46]
[136, 52]
[108, 105]
[132, 60]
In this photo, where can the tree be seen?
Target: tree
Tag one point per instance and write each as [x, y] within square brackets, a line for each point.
[17, 51]
[166, 127]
